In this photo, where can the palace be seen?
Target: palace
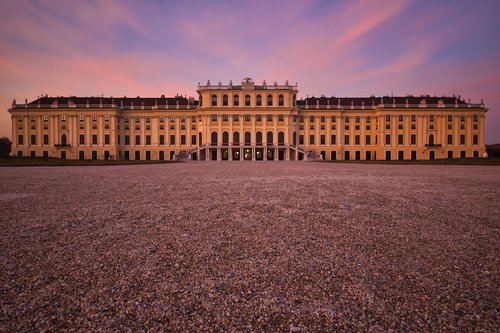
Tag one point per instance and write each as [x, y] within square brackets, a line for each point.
[249, 122]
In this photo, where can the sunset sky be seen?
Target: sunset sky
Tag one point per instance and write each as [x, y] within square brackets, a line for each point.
[341, 48]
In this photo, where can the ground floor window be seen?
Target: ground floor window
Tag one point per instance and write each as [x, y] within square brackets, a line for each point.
[81, 155]
[388, 155]
[450, 153]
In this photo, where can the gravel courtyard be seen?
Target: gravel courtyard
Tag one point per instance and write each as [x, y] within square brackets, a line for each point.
[250, 247]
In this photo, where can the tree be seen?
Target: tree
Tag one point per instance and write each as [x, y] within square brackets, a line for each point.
[5, 145]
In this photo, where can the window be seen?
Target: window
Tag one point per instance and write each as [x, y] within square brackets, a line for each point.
[106, 139]
[137, 139]
[387, 118]
[346, 139]
[281, 138]
[474, 126]
[450, 117]
[193, 139]
[162, 139]
[183, 139]
[94, 117]
[368, 119]
[63, 117]
[162, 119]
[148, 139]
[476, 117]
[247, 100]
[247, 138]
[270, 138]
[462, 118]
[33, 139]
[236, 100]
[387, 139]
[311, 139]
[236, 138]
[475, 139]
[334, 119]
[225, 100]
[269, 117]
[258, 117]
[258, 138]
[400, 139]
[213, 117]
[281, 117]
[225, 117]
[214, 100]
[281, 100]
[46, 118]
[431, 118]
[45, 139]
[172, 139]
[400, 117]
[82, 139]
[301, 119]
[127, 139]
[214, 138]
[322, 119]
[413, 139]
[367, 139]
[462, 139]
[311, 127]
[450, 139]
[171, 119]
[400, 126]
[236, 117]
[322, 139]
[346, 119]
[301, 139]
[247, 117]
[356, 140]
[346, 127]
[358, 119]
[431, 126]
[413, 117]
[368, 127]
[387, 126]
[269, 100]
[450, 126]
[94, 139]
[462, 126]
[413, 126]
[258, 101]
[106, 117]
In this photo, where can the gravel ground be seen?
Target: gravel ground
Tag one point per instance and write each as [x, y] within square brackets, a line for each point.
[250, 246]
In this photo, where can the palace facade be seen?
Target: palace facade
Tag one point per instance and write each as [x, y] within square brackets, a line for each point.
[249, 122]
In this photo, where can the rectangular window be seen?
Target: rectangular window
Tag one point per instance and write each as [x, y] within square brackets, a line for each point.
[334, 119]
[94, 139]
[148, 139]
[162, 139]
[213, 117]
[413, 117]
[431, 118]
[476, 117]
[387, 139]
[356, 139]
[387, 118]
[368, 119]
[171, 119]
[193, 139]
[413, 139]
[358, 119]
[301, 119]
[236, 117]
[137, 139]
[400, 117]
[311, 139]
[33, 139]
[462, 118]
[400, 126]
[387, 126]
[368, 139]
[45, 118]
[183, 139]
[258, 117]
[334, 139]
[247, 117]
[311, 118]
[63, 117]
[346, 119]
[281, 117]
[94, 117]
[450, 117]
[322, 119]
[400, 139]
[462, 139]
[322, 138]
[269, 117]
[225, 117]
[413, 126]
[82, 139]
[106, 139]
[475, 139]
[127, 139]
[450, 126]
[172, 139]
[45, 139]
[301, 139]
[162, 119]
[450, 139]
[346, 139]
[106, 117]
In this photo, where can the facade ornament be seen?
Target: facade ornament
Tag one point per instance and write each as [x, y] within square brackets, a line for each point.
[264, 83]
[14, 102]
[286, 83]
[142, 105]
[220, 83]
[275, 83]
[230, 83]
[132, 105]
[208, 83]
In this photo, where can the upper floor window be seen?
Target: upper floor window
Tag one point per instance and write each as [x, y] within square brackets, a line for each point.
[247, 100]
[214, 100]
[476, 117]
[346, 119]
[311, 119]
[322, 119]
[334, 119]
[171, 118]
[106, 117]
[236, 100]
[269, 100]
[269, 117]
[63, 117]
[224, 100]
[387, 118]
[368, 119]
[281, 117]
[413, 117]
[358, 119]
[236, 117]
[281, 100]
[213, 117]
[258, 117]
[400, 117]
[258, 100]
[462, 118]
[450, 117]
[82, 117]
[225, 117]
[45, 118]
[162, 119]
[94, 117]
[431, 118]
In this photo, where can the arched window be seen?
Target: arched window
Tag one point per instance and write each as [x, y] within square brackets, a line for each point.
[214, 100]
[63, 140]
[200, 139]
[258, 138]
[281, 100]
[225, 138]
[431, 140]
[248, 138]
[224, 100]
[258, 101]
[294, 138]
[269, 138]
[236, 138]
[236, 100]
[269, 100]
[247, 100]
[281, 138]
[214, 138]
